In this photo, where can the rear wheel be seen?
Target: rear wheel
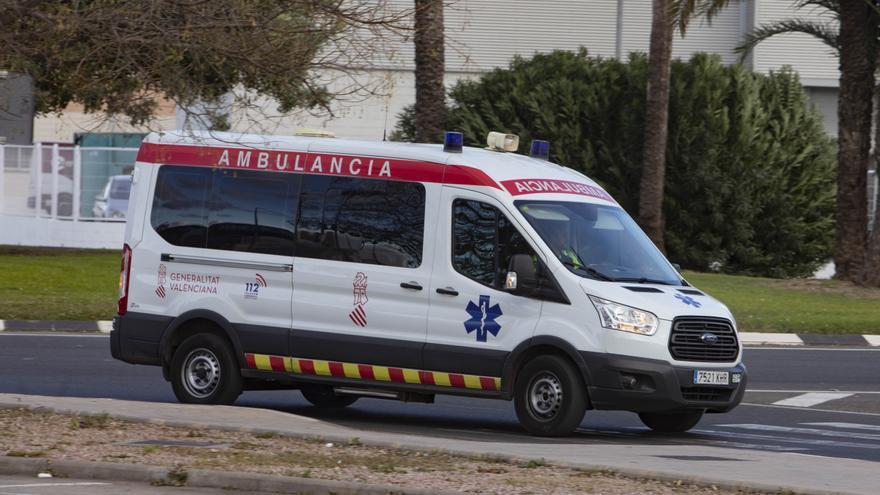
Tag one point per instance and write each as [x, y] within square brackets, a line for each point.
[550, 397]
[204, 371]
[671, 422]
[323, 396]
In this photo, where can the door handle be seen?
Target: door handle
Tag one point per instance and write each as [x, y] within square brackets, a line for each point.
[411, 285]
[449, 291]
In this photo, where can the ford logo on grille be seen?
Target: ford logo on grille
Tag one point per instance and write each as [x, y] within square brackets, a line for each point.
[709, 338]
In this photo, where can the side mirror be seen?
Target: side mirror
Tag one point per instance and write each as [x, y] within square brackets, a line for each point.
[677, 267]
[522, 274]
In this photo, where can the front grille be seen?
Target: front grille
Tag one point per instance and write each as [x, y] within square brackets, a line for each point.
[706, 394]
[686, 341]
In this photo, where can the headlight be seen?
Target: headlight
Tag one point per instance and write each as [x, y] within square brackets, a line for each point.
[624, 318]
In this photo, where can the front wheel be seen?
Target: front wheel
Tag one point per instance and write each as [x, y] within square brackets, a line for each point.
[550, 397]
[671, 423]
[323, 396]
[204, 371]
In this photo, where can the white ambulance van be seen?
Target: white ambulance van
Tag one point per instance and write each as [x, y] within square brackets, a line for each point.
[354, 269]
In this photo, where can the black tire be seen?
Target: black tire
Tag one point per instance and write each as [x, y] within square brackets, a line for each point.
[550, 397]
[204, 371]
[324, 397]
[671, 422]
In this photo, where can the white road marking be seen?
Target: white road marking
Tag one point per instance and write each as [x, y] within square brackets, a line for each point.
[811, 399]
[43, 485]
[812, 409]
[851, 426]
[58, 334]
[104, 326]
[804, 348]
[740, 436]
[2, 325]
[872, 339]
[804, 431]
[787, 391]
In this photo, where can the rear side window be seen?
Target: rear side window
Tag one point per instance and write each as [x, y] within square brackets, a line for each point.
[371, 221]
[483, 241]
[179, 214]
[252, 212]
[232, 210]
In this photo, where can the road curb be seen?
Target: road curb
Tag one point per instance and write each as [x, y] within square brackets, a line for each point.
[808, 339]
[747, 338]
[195, 478]
[66, 326]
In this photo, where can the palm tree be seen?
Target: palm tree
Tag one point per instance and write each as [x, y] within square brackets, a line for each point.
[854, 37]
[667, 14]
[430, 107]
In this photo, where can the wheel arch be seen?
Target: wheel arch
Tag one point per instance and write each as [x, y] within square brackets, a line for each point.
[536, 346]
[192, 322]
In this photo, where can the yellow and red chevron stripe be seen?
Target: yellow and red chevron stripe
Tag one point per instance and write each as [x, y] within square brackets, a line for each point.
[318, 367]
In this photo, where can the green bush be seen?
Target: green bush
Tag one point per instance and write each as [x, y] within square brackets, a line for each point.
[750, 171]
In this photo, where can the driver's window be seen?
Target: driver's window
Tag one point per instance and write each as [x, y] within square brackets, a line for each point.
[483, 241]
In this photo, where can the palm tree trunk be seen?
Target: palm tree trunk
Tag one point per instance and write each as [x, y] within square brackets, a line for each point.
[871, 270]
[430, 108]
[656, 118]
[858, 24]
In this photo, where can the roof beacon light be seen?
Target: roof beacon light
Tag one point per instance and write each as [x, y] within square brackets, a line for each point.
[499, 141]
[540, 149]
[453, 142]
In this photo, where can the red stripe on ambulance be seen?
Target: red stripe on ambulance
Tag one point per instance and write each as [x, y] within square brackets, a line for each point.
[313, 163]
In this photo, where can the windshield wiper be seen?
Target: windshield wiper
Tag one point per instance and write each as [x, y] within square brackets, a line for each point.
[589, 270]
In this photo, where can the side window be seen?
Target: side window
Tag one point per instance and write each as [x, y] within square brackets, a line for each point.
[369, 221]
[483, 241]
[179, 213]
[252, 212]
[473, 240]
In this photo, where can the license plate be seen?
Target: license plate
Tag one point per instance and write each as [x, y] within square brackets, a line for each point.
[711, 377]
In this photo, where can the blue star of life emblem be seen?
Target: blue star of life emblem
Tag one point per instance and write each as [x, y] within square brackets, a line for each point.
[690, 301]
[483, 319]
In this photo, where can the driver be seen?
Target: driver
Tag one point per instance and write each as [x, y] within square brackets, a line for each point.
[558, 240]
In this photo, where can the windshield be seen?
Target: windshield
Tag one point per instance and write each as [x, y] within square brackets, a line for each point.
[120, 187]
[599, 242]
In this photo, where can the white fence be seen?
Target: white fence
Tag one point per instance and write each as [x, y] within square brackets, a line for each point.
[63, 195]
[60, 195]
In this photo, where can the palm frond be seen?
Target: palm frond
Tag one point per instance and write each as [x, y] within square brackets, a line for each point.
[832, 6]
[682, 11]
[827, 33]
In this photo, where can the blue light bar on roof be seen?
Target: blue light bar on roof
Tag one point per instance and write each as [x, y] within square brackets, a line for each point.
[540, 149]
[453, 142]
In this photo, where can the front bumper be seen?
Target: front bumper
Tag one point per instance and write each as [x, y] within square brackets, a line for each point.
[635, 384]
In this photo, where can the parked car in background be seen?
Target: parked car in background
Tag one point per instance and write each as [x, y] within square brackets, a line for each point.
[112, 202]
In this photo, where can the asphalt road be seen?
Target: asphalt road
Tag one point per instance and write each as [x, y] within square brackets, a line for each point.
[843, 424]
